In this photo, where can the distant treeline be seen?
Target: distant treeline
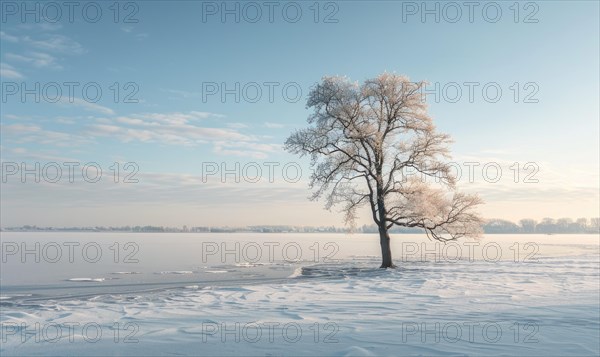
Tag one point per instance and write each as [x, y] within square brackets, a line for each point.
[547, 225]
[527, 225]
[499, 226]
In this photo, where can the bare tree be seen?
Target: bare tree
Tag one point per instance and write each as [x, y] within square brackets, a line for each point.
[364, 140]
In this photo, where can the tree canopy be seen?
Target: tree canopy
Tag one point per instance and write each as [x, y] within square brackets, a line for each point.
[365, 139]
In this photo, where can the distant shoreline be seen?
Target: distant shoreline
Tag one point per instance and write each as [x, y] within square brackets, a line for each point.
[492, 226]
[4, 230]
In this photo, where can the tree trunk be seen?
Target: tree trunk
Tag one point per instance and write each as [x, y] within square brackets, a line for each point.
[386, 252]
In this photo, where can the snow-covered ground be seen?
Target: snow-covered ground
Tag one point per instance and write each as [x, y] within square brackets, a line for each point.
[504, 295]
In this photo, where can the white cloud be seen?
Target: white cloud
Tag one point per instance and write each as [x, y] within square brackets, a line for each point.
[20, 129]
[251, 149]
[41, 26]
[87, 105]
[34, 45]
[182, 129]
[56, 43]
[37, 59]
[6, 37]
[29, 133]
[106, 129]
[171, 128]
[206, 115]
[237, 125]
[173, 119]
[273, 125]
[63, 120]
[14, 117]
[131, 30]
[8, 71]
[241, 153]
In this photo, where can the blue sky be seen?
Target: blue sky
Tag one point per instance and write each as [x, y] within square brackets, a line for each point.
[172, 56]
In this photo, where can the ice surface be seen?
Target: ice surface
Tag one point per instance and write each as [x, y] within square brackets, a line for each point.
[544, 306]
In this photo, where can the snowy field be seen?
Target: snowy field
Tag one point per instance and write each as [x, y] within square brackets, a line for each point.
[298, 294]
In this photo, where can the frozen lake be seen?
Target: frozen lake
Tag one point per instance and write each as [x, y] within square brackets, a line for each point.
[298, 294]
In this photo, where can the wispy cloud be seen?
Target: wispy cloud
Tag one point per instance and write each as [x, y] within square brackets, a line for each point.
[31, 133]
[170, 128]
[245, 149]
[41, 26]
[185, 129]
[50, 42]
[236, 125]
[93, 107]
[8, 71]
[37, 59]
[273, 125]
[56, 43]
[38, 50]
[131, 31]
[6, 37]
